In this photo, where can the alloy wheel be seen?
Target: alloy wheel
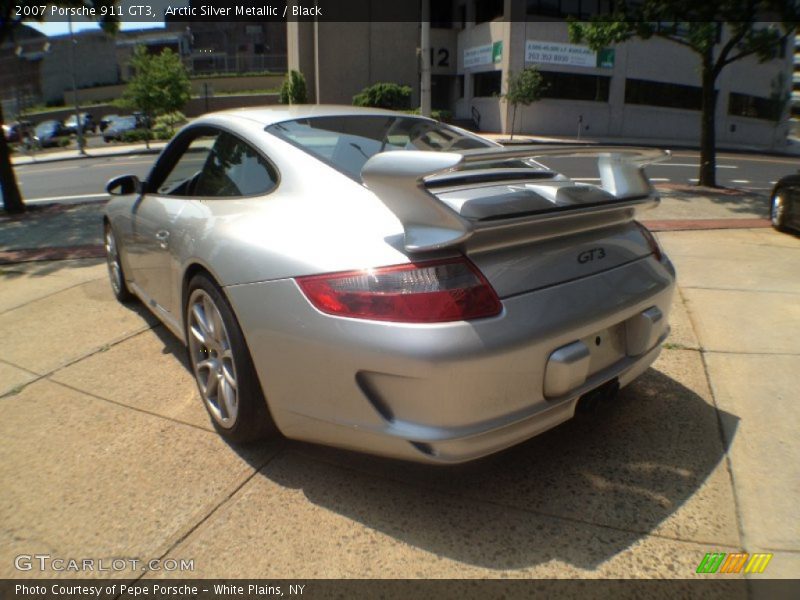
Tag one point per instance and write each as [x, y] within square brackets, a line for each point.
[212, 358]
[112, 261]
[776, 211]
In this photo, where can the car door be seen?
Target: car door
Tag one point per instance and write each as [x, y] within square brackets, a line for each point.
[155, 216]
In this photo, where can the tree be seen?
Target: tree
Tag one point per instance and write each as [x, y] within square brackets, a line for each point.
[160, 85]
[12, 199]
[700, 27]
[524, 88]
[384, 95]
[293, 89]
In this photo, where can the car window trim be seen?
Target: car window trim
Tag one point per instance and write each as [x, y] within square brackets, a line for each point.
[214, 130]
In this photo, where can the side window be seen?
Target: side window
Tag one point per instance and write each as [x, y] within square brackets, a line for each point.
[233, 168]
[182, 179]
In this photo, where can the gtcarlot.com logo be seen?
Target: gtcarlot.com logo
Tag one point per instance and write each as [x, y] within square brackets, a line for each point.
[46, 562]
[737, 562]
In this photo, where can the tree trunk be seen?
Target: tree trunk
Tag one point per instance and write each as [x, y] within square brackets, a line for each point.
[513, 120]
[12, 199]
[708, 141]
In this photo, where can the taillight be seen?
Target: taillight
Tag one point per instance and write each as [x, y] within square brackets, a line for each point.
[651, 240]
[428, 292]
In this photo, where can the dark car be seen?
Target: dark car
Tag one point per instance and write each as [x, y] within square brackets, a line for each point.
[785, 203]
[49, 133]
[119, 126]
[105, 122]
[87, 124]
[16, 132]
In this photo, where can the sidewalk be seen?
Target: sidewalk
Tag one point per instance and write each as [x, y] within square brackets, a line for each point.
[65, 231]
[792, 149]
[73, 154]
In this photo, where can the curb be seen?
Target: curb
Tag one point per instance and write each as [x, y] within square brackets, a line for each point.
[98, 250]
[706, 224]
[55, 253]
[44, 160]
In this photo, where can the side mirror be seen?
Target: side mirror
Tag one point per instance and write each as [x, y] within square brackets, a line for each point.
[124, 185]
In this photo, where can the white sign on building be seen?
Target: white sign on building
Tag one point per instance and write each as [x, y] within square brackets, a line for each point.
[483, 55]
[573, 55]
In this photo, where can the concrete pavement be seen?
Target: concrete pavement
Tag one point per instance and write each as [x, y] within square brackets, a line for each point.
[109, 453]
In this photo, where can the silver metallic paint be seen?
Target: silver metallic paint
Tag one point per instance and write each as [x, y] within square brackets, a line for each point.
[440, 393]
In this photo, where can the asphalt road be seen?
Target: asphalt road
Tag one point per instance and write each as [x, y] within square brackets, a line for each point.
[78, 179]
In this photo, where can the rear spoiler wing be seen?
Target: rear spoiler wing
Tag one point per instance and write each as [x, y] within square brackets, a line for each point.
[398, 179]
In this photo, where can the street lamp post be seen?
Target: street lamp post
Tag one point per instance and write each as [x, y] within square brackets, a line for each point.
[78, 123]
[425, 43]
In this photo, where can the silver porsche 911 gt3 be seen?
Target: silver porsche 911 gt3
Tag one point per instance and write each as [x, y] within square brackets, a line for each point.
[386, 283]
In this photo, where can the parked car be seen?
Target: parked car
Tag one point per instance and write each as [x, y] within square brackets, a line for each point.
[49, 133]
[16, 132]
[107, 120]
[386, 283]
[785, 203]
[119, 126]
[87, 123]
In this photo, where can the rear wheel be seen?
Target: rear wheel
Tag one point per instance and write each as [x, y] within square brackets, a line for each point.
[115, 272]
[222, 365]
[777, 211]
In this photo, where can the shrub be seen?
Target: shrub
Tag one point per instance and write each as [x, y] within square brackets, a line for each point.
[439, 114]
[293, 90]
[384, 95]
[135, 135]
[169, 120]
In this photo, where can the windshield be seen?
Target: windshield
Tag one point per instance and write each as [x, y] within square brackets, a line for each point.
[46, 128]
[347, 142]
[124, 122]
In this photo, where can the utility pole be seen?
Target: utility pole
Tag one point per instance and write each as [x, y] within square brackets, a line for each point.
[78, 123]
[425, 43]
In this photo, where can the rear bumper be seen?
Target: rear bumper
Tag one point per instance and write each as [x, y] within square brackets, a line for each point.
[443, 393]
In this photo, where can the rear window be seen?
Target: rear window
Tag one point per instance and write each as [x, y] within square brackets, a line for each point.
[347, 142]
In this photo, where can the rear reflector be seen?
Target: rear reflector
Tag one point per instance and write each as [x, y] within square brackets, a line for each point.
[651, 240]
[429, 292]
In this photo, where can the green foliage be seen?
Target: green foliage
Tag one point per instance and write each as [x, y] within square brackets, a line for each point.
[384, 95]
[720, 33]
[293, 90]
[525, 87]
[160, 84]
[700, 26]
[436, 113]
[169, 120]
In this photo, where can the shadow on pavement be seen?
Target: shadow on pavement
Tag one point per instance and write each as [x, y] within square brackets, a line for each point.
[736, 201]
[626, 469]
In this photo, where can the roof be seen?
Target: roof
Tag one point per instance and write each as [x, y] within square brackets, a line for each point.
[267, 115]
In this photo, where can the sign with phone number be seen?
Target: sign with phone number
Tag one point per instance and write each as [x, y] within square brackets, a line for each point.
[572, 55]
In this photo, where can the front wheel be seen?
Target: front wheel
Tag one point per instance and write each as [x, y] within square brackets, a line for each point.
[115, 272]
[777, 211]
[222, 365]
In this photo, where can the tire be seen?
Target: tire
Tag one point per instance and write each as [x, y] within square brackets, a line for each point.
[777, 211]
[222, 366]
[116, 274]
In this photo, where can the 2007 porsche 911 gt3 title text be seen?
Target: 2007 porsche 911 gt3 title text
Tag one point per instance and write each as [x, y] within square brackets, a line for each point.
[387, 283]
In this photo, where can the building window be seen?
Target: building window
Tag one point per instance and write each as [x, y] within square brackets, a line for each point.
[571, 86]
[756, 107]
[656, 93]
[441, 14]
[488, 10]
[486, 84]
[580, 9]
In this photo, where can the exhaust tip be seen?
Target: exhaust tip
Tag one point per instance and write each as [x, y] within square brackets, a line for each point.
[594, 400]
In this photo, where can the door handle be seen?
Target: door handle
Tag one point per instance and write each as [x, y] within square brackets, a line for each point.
[163, 238]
